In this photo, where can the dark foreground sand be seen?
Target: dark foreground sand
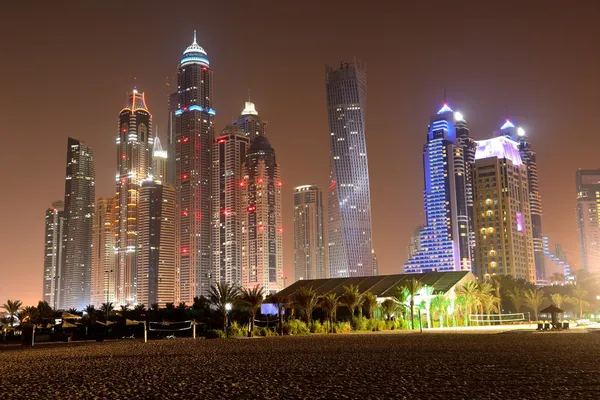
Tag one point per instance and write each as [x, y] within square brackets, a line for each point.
[428, 366]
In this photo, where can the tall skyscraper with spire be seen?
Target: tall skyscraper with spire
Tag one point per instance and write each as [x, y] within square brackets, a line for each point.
[262, 252]
[349, 200]
[250, 122]
[194, 132]
[445, 240]
[528, 158]
[76, 266]
[134, 144]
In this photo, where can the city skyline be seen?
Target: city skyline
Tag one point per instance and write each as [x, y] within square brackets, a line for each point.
[535, 100]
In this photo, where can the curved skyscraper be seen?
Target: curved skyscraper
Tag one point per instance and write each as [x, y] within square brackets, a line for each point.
[193, 127]
[349, 200]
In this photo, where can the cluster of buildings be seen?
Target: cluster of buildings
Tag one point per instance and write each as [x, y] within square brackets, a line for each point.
[207, 209]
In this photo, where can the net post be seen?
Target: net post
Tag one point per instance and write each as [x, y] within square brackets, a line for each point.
[194, 329]
[145, 333]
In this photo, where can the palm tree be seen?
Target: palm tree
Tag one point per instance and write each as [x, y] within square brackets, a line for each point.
[253, 298]
[170, 306]
[12, 308]
[469, 291]
[351, 299]
[107, 308]
[440, 304]
[45, 311]
[74, 311]
[388, 307]
[30, 314]
[577, 298]
[90, 310]
[516, 298]
[400, 296]
[427, 292]
[329, 303]
[370, 301]
[281, 302]
[306, 299]
[558, 299]
[413, 286]
[484, 291]
[557, 279]
[181, 306]
[490, 304]
[534, 299]
[222, 296]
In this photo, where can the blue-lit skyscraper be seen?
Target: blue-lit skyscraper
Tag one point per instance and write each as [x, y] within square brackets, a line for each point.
[350, 244]
[446, 240]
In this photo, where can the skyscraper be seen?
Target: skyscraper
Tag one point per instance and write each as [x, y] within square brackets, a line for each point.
[134, 144]
[76, 265]
[444, 241]
[104, 258]
[262, 253]
[349, 200]
[159, 162]
[250, 122]
[171, 141]
[415, 242]
[535, 199]
[588, 218]
[193, 164]
[309, 233]
[53, 249]
[503, 229]
[156, 244]
[229, 208]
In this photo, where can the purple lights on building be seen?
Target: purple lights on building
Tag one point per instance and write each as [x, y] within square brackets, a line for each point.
[500, 147]
[520, 222]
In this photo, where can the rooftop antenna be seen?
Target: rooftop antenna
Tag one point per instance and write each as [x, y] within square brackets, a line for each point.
[195, 36]
[249, 96]
[445, 96]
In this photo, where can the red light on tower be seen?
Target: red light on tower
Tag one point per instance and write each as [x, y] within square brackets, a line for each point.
[123, 156]
[204, 69]
[279, 183]
[184, 176]
[185, 139]
[242, 183]
[184, 250]
[221, 140]
[280, 230]
[184, 213]
[260, 180]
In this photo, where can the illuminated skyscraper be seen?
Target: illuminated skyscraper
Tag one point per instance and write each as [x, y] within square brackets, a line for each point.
[250, 122]
[193, 164]
[349, 200]
[262, 253]
[171, 141]
[503, 229]
[588, 218]
[53, 248]
[535, 199]
[309, 233]
[134, 145]
[445, 240]
[229, 208]
[104, 258]
[156, 244]
[159, 162]
[76, 265]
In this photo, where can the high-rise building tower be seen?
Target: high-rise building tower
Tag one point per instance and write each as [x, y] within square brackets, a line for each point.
[503, 229]
[134, 144]
[104, 258]
[535, 199]
[250, 122]
[349, 200]
[262, 253]
[193, 164]
[415, 242]
[159, 162]
[53, 249]
[444, 241]
[588, 218]
[171, 141]
[76, 266]
[156, 244]
[309, 233]
[229, 209]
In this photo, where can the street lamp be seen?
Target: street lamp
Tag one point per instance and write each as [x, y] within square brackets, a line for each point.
[227, 309]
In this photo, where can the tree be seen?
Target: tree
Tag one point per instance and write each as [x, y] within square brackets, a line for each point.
[107, 308]
[427, 292]
[490, 304]
[469, 291]
[557, 279]
[370, 301]
[388, 307]
[534, 300]
[558, 299]
[329, 303]
[516, 298]
[577, 298]
[252, 298]
[484, 291]
[281, 302]
[440, 304]
[170, 306]
[413, 286]
[351, 299]
[400, 296]
[30, 314]
[181, 306]
[222, 296]
[306, 299]
[12, 308]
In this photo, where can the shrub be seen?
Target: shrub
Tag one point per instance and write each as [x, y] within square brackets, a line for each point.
[267, 332]
[215, 334]
[326, 327]
[237, 331]
[342, 327]
[317, 327]
[295, 327]
[360, 324]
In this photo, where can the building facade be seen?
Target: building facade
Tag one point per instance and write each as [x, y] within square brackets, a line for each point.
[80, 193]
[503, 228]
[193, 137]
[53, 249]
[349, 199]
[309, 233]
[445, 243]
[250, 122]
[157, 244]
[104, 258]
[159, 162]
[262, 252]
[588, 218]
[229, 208]
[134, 144]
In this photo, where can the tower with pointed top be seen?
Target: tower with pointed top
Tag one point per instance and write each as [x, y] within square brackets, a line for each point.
[445, 239]
[250, 123]
[134, 144]
[159, 162]
[193, 135]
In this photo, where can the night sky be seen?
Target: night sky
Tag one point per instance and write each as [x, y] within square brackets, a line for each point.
[65, 68]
